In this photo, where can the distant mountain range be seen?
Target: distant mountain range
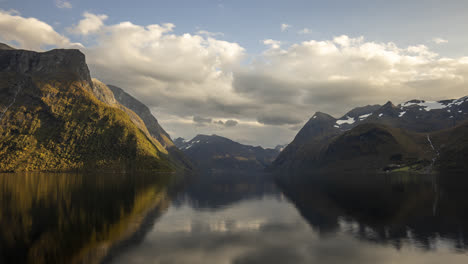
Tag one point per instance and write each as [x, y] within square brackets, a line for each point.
[214, 153]
[54, 117]
[414, 136]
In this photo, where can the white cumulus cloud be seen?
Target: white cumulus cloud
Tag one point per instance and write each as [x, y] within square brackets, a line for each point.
[90, 24]
[285, 27]
[336, 75]
[274, 44]
[30, 33]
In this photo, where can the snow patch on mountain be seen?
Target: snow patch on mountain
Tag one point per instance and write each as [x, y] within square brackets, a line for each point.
[458, 101]
[190, 144]
[426, 105]
[350, 121]
[362, 117]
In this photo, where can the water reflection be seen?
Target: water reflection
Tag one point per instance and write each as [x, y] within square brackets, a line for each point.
[425, 211]
[340, 220]
[233, 218]
[73, 218]
[213, 191]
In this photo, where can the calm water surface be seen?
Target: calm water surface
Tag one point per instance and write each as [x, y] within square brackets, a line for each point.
[232, 218]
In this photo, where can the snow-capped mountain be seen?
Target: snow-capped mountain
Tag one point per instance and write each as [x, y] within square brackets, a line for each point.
[364, 130]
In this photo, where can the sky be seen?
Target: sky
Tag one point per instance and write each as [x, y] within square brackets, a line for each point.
[255, 71]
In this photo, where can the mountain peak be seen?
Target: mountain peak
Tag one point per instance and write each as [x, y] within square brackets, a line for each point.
[320, 116]
[389, 104]
[215, 153]
[68, 64]
[362, 111]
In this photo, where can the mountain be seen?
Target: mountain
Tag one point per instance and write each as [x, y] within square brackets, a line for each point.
[217, 153]
[452, 148]
[280, 148]
[144, 113]
[380, 138]
[5, 47]
[147, 120]
[54, 117]
[179, 142]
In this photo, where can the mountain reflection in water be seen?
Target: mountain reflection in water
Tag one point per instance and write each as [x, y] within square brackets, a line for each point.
[332, 219]
[73, 218]
[233, 218]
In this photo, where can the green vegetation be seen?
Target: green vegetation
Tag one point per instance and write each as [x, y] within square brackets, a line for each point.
[57, 124]
[367, 147]
[453, 147]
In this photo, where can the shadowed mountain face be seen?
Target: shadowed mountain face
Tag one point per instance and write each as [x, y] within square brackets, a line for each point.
[379, 138]
[215, 153]
[54, 117]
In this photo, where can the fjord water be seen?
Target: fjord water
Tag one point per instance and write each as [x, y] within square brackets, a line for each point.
[232, 218]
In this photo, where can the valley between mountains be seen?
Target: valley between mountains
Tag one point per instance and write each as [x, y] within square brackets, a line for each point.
[55, 117]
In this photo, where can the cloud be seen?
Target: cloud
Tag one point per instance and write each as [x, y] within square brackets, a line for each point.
[230, 123]
[304, 31]
[63, 4]
[279, 119]
[210, 34]
[338, 74]
[227, 123]
[201, 121]
[439, 40]
[285, 27]
[90, 24]
[181, 74]
[274, 44]
[30, 33]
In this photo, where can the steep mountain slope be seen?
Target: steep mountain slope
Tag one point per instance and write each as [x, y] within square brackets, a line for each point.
[374, 147]
[309, 141]
[397, 136]
[105, 95]
[142, 116]
[50, 119]
[144, 113]
[218, 153]
[451, 146]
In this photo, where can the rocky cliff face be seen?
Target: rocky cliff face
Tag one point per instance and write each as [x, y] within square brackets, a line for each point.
[51, 120]
[55, 64]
